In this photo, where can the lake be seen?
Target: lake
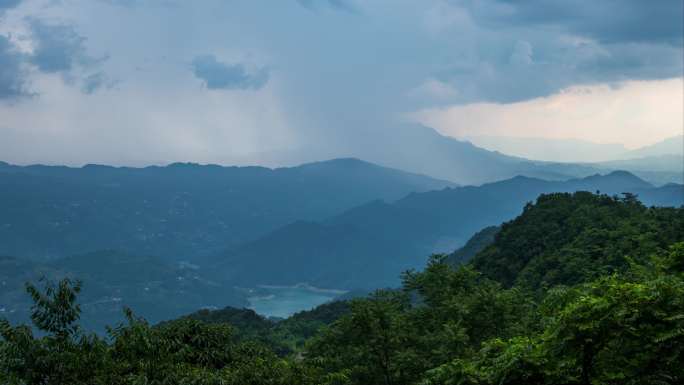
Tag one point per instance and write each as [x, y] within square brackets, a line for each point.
[283, 301]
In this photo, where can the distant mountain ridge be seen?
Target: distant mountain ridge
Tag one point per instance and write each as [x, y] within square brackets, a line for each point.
[153, 288]
[182, 210]
[576, 150]
[369, 245]
[423, 150]
[659, 170]
[551, 149]
[668, 146]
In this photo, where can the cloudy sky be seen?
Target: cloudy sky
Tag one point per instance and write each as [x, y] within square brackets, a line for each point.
[254, 81]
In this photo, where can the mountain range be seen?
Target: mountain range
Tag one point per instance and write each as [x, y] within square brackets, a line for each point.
[168, 240]
[669, 146]
[576, 150]
[180, 211]
[370, 245]
[153, 288]
[423, 150]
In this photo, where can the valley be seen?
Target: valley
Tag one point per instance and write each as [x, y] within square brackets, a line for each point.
[281, 302]
[341, 192]
[311, 229]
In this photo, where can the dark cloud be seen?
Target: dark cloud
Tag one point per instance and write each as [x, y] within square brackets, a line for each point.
[537, 68]
[96, 81]
[606, 21]
[534, 48]
[342, 5]
[12, 74]
[58, 48]
[339, 76]
[123, 3]
[7, 4]
[218, 75]
[136, 3]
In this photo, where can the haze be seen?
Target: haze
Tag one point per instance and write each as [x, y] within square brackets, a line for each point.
[134, 82]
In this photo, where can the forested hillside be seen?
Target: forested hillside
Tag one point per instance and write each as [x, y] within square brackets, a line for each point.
[566, 241]
[475, 244]
[180, 211]
[525, 311]
[155, 288]
[370, 245]
[363, 248]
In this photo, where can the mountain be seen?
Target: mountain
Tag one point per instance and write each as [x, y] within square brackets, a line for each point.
[566, 239]
[581, 288]
[663, 163]
[423, 150]
[666, 195]
[669, 146]
[369, 245]
[182, 210]
[475, 244]
[550, 149]
[660, 170]
[151, 287]
[283, 336]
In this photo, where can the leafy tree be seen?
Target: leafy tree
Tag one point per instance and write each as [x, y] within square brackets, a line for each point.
[580, 289]
[55, 311]
[372, 345]
[620, 329]
[573, 238]
[64, 355]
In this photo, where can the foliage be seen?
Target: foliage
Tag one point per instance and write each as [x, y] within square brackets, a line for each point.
[475, 244]
[622, 323]
[185, 351]
[283, 337]
[571, 238]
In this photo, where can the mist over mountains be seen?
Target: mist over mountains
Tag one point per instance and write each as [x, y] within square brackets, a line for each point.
[576, 150]
[169, 240]
[369, 245]
[423, 150]
[549, 149]
[669, 146]
[182, 210]
[155, 288]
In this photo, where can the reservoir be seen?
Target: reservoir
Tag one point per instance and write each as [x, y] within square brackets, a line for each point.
[283, 301]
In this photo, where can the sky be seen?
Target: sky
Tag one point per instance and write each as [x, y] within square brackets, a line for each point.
[135, 82]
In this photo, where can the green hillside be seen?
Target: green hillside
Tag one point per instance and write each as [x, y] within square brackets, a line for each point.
[569, 238]
[368, 246]
[579, 289]
[475, 244]
[153, 288]
[180, 211]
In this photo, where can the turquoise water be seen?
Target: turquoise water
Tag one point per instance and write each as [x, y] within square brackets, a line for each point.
[283, 301]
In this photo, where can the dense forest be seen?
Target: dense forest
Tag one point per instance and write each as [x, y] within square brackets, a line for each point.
[581, 288]
[179, 211]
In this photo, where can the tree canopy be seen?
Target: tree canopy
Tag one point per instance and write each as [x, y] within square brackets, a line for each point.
[579, 289]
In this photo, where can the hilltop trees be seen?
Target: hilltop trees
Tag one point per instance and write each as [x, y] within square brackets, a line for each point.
[185, 351]
[580, 289]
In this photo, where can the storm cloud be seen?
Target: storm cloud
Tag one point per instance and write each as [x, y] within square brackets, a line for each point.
[58, 48]
[528, 49]
[342, 5]
[55, 49]
[7, 4]
[217, 75]
[221, 81]
[12, 75]
[607, 21]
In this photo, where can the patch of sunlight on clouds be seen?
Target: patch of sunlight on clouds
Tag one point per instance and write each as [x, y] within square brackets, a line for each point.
[633, 113]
